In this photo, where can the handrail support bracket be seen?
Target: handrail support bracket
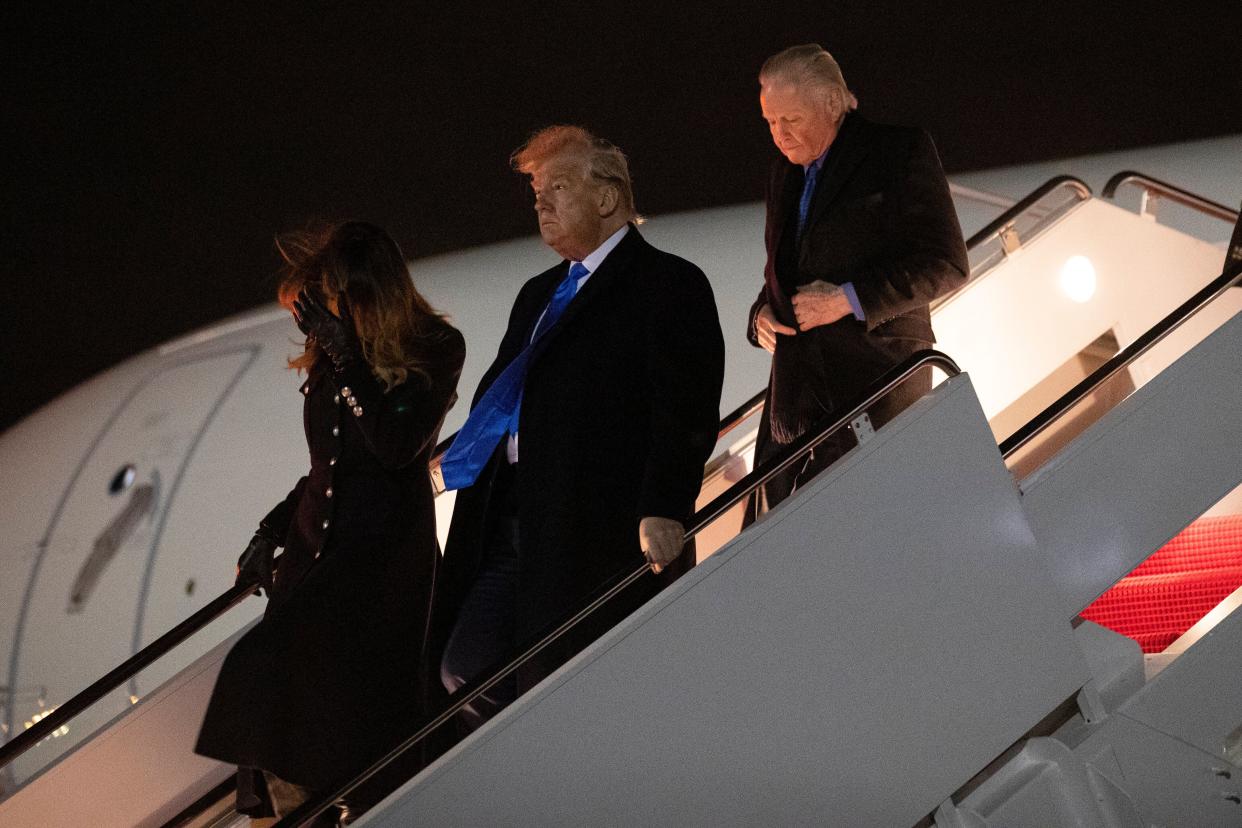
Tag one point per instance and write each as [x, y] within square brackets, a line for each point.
[1148, 204]
[862, 428]
[1010, 241]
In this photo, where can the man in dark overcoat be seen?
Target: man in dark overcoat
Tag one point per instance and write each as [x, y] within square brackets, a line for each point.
[585, 446]
[861, 236]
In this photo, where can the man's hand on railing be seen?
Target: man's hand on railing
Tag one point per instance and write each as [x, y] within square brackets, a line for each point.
[256, 564]
[661, 540]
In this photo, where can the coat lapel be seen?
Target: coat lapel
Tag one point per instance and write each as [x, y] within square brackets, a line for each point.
[553, 278]
[786, 218]
[848, 149]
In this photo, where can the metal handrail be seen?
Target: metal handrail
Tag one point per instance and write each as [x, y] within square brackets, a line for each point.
[124, 671]
[1002, 227]
[994, 228]
[1154, 188]
[741, 414]
[1122, 360]
[981, 196]
[192, 812]
[701, 519]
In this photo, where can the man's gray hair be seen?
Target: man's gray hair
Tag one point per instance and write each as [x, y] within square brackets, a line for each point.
[811, 69]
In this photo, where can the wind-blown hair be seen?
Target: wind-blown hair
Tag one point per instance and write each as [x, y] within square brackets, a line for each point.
[604, 161]
[810, 68]
[359, 265]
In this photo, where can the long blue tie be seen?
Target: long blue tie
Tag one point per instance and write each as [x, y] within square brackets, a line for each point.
[497, 412]
[808, 190]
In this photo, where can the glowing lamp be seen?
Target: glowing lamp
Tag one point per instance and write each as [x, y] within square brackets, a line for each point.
[1078, 278]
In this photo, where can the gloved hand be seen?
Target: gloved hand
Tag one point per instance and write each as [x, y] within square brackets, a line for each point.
[335, 335]
[257, 564]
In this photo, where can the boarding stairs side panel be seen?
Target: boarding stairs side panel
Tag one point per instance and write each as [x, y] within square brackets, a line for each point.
[1147, 468]
[851, 659]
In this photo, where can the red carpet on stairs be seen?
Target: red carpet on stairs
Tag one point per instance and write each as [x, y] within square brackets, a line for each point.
[1179, 584]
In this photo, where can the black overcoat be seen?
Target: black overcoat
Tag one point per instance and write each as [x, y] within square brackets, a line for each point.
[882, 218]
[331, 677]
[619, 413]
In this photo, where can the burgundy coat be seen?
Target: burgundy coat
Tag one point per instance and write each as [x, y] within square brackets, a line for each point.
[331, 677]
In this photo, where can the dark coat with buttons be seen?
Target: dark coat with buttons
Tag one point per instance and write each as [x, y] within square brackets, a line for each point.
[882, 218]
[332, 675]
[620, 410]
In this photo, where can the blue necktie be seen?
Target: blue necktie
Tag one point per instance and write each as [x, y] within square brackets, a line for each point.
[808, 190]
[497, 412]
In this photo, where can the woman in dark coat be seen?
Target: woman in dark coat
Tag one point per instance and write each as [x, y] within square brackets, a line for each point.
[332, 677]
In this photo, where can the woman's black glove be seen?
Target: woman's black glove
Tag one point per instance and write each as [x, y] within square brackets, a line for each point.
[257, 564]
[334, 335]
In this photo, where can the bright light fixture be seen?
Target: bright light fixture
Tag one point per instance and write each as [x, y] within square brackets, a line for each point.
[1078, 278]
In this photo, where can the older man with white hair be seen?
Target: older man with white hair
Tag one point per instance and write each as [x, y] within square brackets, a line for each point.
[861, 237]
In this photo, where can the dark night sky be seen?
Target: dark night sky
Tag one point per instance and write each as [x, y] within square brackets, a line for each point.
[156, 148]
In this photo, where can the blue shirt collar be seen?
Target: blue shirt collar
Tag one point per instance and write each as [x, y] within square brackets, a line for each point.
[818, 163]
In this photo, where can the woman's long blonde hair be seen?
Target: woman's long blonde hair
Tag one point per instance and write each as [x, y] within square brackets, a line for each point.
[360, 264]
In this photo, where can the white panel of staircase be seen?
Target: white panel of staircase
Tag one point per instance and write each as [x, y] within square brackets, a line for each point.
[852, 659]
[1143, 472]
[1197, 698]
[140, 770]
[1016, 326]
